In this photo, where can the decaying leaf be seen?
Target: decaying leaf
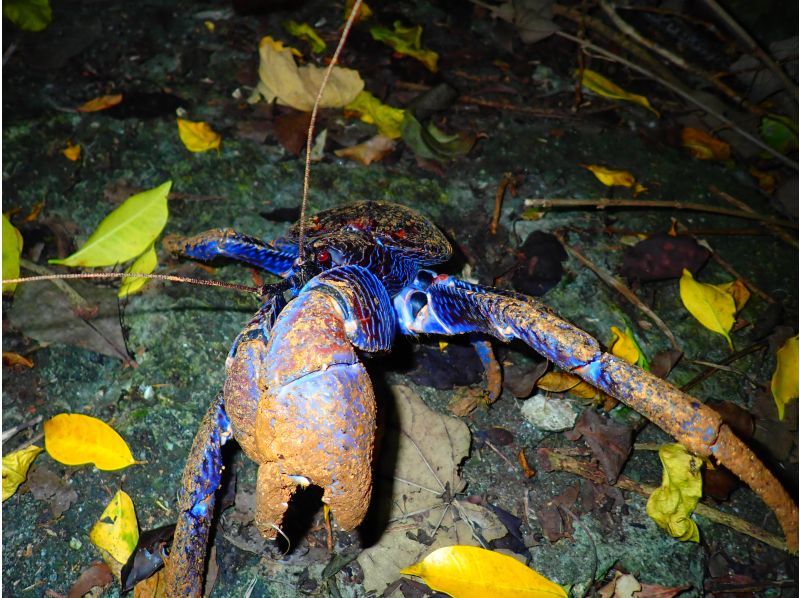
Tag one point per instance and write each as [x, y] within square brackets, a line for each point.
[604, 87]
[430, 447]
[615, 178]
[371, 110]
[126, 232]
[432, 143]
[77, 439]
[564, 381]
[16, 360]
[198, 136]
[541, 267]
[71, 152]
[12, 249]
[611, 442]
[280, 78]
[144, 264]
[533, 19]
[100, 103]
[372, 150]
[154, 586]
[48, 487]
[703, 146]
[662, 256]
[291, 130]
[713, 308]
[117, 531]
[15, 468]
[784, 382]
[406, 41]
[472, 572]
[28, 15]
[622, 586]
[148, 557]
[307, 33]
[671, 505]
[736, 289]
[624, 346]
[97, 575]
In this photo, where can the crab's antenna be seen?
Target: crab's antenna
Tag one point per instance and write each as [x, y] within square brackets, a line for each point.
[108, 275]
[309, 140]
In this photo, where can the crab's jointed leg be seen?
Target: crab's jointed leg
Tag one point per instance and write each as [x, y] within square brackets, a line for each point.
[445, 305]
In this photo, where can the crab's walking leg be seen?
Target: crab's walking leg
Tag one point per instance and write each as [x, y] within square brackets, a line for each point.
[201, 479]
[445, 305]
[225, 242]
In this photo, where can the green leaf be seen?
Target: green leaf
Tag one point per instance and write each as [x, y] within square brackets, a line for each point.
[779, 132]
[672, 504]
[407, 41]
[432, 143]
[12, 249]
[307, 33]
[388, 119]
[144, 264]
[126, 232]
[28, 15]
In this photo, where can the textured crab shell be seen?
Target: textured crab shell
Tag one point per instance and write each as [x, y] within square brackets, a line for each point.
[381, 223]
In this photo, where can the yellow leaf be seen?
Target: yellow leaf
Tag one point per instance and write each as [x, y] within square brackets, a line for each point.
[784, 380]
[563, 382]
[15, 469]
[703, 146]
[117, 531]
[406, 41]
[15, 359]
[615, 178]
[624, 346]
[372, 150]
[472, 572]
[388, 119]
[766, 180]
[210, 26]
[144, 264]
[76, 439]
[280, 78]
[710, 306]
[12, 249]
[737, 290]
[198, 136]
[307, 33]
[364, 11]
[671, 505]
[606, 88]
[72, 152]
[126, 232]
[100, 103]
[277, 45]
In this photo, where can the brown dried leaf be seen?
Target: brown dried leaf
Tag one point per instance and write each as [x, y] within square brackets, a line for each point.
[373, 150]
[98, 575]
[610, 442]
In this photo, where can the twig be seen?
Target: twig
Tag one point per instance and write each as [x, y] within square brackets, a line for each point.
[616, 284]
[498, 200]
[686, 95]
[604, 203]
[10, 432]
[753, 46]
[559, 461]
[501, 455]
[708, 372]
[778, 232]
[630, 31]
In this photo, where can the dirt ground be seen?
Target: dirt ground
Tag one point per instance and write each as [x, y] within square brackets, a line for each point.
[151, 364]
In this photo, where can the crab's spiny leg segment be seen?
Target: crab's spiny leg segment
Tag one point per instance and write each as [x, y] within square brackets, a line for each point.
[444, 305]
[225, 242]
[201, 479]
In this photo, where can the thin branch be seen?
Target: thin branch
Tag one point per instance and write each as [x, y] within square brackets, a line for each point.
[604, 203]
[781, 234]
[616, 284]
[678, 89]
[753, 46]
[11, 432]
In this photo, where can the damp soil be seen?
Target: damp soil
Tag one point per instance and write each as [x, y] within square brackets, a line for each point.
[177, 336]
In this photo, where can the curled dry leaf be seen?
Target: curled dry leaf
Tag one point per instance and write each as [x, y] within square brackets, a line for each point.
[671, 505]
[12, 249]
[280, 78]
[15, 468]
[703, 146]
[604, 87]
[198, 136]
[100, 103]
[71, 152]
[784, 383]
[117, 531]
[97, 575]
[472, 572]
[126, 232]
[76, 439]
[16, 360]
[373, 150]
[615, 178]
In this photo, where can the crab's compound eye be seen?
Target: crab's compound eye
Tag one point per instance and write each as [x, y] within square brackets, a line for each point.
[324, 257]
